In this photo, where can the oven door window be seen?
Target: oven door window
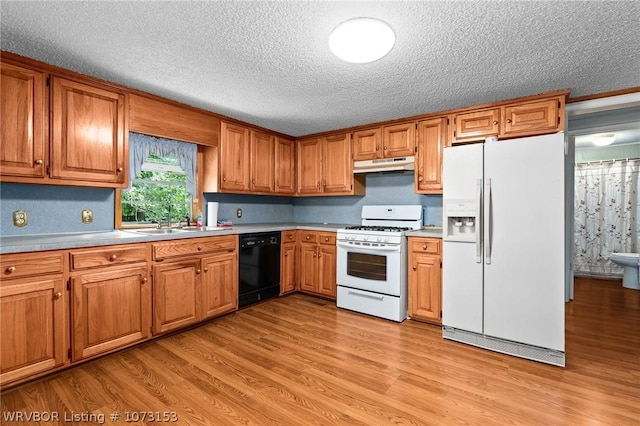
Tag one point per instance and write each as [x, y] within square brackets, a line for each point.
[367, 266]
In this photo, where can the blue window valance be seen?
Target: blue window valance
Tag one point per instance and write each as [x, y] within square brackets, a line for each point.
[141, 146]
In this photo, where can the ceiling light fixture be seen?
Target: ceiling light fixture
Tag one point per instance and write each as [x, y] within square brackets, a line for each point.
[362, 40]
[603, 140]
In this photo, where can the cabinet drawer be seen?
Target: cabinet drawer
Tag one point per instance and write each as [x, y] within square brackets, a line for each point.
[106, 256]
[425, 245]
[194, 246]
[308, 237]
[288, 237]
[29, 264]
[327, 238]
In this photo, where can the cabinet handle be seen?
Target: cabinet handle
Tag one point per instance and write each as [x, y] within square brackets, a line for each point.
[58, 295]
[120, 169]
[315, 255]
[144, 280]
[424, 247]
[495, 122]
[199, 248]
[224, 179]
[286, 254]
[39, 162]
[113, 257]
[385, 148]
[198, 271]
[420, 179]
[308, 237]
[318, 185]
[377, 148]
[253, 181]
[206, 269]
[291, 237]
[326, 239]
[508, 120]
[414, 268]
[10, 269]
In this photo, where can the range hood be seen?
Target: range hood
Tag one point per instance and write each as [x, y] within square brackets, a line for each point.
[384, 165]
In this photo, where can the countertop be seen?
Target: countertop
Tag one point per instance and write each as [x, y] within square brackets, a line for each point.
[42, 242]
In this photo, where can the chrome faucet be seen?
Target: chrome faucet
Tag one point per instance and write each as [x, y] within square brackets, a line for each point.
[159, 225]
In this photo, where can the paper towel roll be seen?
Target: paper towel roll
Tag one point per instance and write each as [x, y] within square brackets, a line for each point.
[212, 214]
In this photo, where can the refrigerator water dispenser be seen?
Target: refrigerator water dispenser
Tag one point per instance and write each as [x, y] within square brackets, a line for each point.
[461, 220]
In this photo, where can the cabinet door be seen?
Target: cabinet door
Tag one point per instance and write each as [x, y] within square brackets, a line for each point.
[285, 176]
[234, 157]
[367, 144]
[531, 118]
[288, 268]
[476, 125]
[308, 268]
[110, 310]
[23, 117]
[398, 140]
[327, 271]
[432, 135]
[425, 287]
[219, 289]
[338, 165]
[88, 133]
[262, 162]
[34, 327]
[175, 287]
[309, 166]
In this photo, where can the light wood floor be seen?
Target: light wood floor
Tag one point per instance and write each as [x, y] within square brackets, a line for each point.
[300, 360]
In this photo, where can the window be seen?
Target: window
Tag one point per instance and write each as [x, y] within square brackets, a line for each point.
[162, 175]
[158, 193]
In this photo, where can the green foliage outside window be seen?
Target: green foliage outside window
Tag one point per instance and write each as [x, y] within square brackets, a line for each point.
[150, 196]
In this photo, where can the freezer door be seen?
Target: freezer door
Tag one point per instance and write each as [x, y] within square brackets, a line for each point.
[462, 278]
[524, 276]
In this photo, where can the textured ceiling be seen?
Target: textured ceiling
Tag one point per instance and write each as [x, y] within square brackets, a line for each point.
[268, 63]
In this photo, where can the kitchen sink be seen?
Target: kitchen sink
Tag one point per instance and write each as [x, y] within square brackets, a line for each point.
[156, 231]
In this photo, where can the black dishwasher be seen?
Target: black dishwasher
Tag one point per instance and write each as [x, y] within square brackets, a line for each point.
[259, 267]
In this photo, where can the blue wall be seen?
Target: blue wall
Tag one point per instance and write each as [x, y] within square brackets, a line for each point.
[55, 209]
[58, 209]
[392, 188]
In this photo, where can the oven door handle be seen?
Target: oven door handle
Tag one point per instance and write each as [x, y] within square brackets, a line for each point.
[370, 248]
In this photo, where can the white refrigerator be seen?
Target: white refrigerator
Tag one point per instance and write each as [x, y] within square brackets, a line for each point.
[504, 246]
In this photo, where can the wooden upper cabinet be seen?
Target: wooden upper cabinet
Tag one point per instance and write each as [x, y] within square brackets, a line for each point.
[534, 115]
[531, 117]
[23, 114]
[338, 166]
[431, 140]
[477, 125]
[398, 140]
[309, 165]
[234, 157]
[285, 176]
[88, 132]
[262, 161]
[367, 144]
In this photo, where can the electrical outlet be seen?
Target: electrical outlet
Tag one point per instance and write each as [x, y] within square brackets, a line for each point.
[239, 212]
[87, 216]
[20, 218]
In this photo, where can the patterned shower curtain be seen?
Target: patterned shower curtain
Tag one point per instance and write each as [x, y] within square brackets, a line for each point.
[606, 215]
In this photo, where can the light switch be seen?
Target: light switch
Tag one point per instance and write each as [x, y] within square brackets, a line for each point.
[239, 212]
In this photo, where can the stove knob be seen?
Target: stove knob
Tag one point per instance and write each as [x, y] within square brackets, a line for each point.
[379, 239]
[365, 238]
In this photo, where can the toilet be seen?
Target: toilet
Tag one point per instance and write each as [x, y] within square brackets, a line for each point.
[631, 264]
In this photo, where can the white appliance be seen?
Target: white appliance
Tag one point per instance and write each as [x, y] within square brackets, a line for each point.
[372, 261]
[385, 165]
[504, 245]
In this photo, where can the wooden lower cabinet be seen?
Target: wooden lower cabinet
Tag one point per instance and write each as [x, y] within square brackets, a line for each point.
[33, 315]
[196, 287]
[111, 310]
[318, 263]
[175, 287]
[219, 286]
[425, 279]
[288, 263]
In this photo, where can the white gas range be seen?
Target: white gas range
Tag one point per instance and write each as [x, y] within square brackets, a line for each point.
[372, 261]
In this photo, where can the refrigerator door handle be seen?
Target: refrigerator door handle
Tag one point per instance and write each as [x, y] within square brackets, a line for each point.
[487, 222]
[478, 221]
